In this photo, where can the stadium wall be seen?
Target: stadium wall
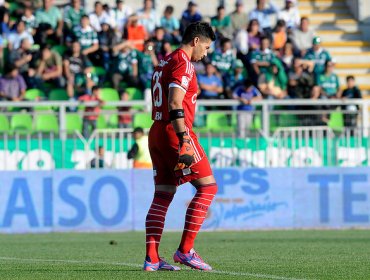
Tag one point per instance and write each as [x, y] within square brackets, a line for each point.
[117, 200]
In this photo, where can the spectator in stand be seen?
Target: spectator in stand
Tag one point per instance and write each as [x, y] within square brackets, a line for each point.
[139, 152]
[124, 117]
[99, 16]
[91, 113]
[279, 36]
[49, 69]
[254, 35]
[98, 161]
[23, 58]
[246, 94]
[135, 33]
[122, 12]
[158, 40]
[287, 56]
[238, 18]
[301, 82]
[261, 61]
[222, 23]
[351, 92]
[50, 23]
[15, 38]
[88, 39]
[112, 16]
[147, 60]
[5, 25]
[302, 37]
[190, 15]
[171, 26]
[235, 78]
[290, 14]
[263, 15]
[148, 16]
[328, 86]
[77, 70]
[210, 84]
[319, 56]
[241, 43]
[12, 85]
[224, 59]
[274, 83]
[30, 20]
[72, 16]
[125, 66]
[106, 38]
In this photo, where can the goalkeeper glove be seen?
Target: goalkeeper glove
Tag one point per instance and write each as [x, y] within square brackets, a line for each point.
[186, 152]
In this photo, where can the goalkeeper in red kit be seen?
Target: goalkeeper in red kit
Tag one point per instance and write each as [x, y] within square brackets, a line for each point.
[175, 150]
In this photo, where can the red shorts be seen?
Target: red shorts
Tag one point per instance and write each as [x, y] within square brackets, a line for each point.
[163, 147]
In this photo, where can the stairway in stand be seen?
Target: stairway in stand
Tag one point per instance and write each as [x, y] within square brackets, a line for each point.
[342, 37]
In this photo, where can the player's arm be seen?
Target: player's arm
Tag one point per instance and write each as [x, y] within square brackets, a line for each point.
[177, 116]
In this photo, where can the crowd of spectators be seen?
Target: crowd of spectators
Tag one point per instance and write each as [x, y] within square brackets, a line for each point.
[276, 62]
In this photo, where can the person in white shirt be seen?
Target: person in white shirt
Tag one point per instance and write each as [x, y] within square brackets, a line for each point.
[122, 12]
[98, 17]
[148, 16]
[302, 37]
[15, 38]
[290, 14]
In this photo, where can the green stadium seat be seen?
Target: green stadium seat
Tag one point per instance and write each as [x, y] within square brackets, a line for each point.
[134, 93]
[218, 123]
[257, 123]
[99, 71]
[46, 123]
[4, 124]
[60, 49]
[33, 94]
[113, 121]
[58, 94]
[21, 123]
[101, 122]
[143, 120]
[73, 123]
[109, 94]
[336, 121]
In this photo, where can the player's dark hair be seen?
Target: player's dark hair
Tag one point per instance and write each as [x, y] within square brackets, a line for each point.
[350, 77]
[198, 29]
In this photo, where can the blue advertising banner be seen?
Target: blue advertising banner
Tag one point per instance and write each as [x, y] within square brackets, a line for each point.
[118, 200]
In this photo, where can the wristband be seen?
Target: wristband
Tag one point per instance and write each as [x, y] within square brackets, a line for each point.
[177, 114]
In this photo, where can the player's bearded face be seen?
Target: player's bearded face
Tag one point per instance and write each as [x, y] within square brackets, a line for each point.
[201, 47]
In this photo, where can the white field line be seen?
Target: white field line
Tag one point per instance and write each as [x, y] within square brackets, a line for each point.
[231, 273]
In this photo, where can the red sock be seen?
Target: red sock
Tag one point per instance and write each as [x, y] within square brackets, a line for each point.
[155, 222]
[195, 215]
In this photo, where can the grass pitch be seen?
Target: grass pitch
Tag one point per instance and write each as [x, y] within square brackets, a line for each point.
[233, 255]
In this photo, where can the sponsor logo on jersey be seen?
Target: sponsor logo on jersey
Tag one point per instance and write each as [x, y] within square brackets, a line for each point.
[185, 82]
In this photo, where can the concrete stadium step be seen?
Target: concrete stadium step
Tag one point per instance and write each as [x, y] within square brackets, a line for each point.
[313, 10]
[347, 27]
[348, 49]
[345, 44]
[359, 65]
[338, 35]
[351, 57]
[352, 71]
[327, 16]
[322, 3]
[361, 79]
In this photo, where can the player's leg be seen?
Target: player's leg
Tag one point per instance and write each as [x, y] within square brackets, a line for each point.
[195, 215]
[154, 223]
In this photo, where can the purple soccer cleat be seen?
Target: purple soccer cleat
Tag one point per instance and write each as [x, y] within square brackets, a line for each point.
[161, 265]
[191, 259]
